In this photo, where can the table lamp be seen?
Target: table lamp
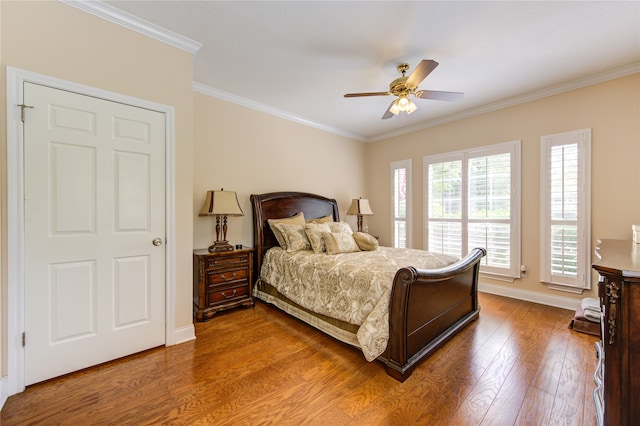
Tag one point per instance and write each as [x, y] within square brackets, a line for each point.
[360, 207]
[221, 204]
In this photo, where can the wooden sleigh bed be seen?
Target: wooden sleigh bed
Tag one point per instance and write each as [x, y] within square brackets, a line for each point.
[427, 306]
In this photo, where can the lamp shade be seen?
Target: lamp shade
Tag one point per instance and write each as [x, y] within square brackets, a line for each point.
[360, 207]
[221, 203]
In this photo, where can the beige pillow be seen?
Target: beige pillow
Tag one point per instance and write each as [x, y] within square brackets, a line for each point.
[323, 219]
[294, 236]
[297, 219]
[339, 242]
[340, 227]
[314, 233]
[366, 242]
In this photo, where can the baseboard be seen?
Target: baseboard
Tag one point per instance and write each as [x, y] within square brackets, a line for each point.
[3, 391]
[530, 296]
[184, 334]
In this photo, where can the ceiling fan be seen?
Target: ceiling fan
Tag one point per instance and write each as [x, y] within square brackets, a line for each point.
[403, 87]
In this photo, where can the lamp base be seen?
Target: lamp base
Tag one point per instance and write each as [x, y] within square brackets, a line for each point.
[220, 246]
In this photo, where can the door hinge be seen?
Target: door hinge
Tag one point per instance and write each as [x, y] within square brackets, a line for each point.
[24, 339]
[22, 107]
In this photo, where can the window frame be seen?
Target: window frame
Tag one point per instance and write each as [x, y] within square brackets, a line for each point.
[582, 281]
[397, 165]
[514, 149]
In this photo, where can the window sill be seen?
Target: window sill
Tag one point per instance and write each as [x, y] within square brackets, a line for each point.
[498, 277]
[566, 288]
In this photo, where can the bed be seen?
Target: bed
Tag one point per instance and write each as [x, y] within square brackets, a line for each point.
[425, 308]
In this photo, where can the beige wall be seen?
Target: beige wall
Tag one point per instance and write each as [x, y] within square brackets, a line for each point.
[611, 109]
[250, 152]
[57, 40]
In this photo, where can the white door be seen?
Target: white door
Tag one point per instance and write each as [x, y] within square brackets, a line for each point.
[94, 204]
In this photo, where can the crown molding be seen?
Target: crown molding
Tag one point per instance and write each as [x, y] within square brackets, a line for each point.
[127, 20]
[517, 100]
[248, 103]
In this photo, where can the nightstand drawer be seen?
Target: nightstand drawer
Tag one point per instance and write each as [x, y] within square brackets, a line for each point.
[227, 277]
[228, 294]
[216, 263]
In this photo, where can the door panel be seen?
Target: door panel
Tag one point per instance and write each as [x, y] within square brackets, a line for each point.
[131, 290]
[73, 196]
[94, 202]
[73, 301]
[132, 196]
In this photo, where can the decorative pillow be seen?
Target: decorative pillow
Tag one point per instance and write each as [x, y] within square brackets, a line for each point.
[294, 236]
[340, 227]
[366, 242]
[314, 233]
[339, 242]
[323, 219]
[297, 219]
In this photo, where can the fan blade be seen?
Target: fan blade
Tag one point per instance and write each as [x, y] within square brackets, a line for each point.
[421, 72]
[355, 95]
[388, 113]
[439, 96]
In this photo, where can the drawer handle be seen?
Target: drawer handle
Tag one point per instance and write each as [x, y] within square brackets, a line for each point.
[229, 297]
[233, 277]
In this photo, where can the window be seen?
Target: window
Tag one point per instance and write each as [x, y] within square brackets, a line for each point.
[444, 206]
[565, 210]
[401, 203]
[472, 199]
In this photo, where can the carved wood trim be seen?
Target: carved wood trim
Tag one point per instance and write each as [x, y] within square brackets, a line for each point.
[612, 293]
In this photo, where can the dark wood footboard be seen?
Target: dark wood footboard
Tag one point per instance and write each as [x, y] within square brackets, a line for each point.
[428, 307]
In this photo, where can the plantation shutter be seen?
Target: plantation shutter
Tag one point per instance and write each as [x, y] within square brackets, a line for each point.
[401, 203]
[565, 214]
[490, 208]
[445, 207]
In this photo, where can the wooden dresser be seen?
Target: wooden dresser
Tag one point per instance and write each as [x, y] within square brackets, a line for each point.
[617, 376]
[221, 280]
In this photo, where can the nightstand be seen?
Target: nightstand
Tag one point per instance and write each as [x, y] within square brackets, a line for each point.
[221, 280]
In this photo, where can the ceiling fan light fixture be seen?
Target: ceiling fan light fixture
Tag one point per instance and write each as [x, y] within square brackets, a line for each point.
[411, 107]
[395, 108]
[403, 102]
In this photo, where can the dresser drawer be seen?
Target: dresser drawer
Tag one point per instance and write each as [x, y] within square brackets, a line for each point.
[227, 294]
[227, 277]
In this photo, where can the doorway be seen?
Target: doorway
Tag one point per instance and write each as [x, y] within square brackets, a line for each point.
[16, 254]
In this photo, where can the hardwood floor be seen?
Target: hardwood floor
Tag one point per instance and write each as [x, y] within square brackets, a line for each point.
[518, 364]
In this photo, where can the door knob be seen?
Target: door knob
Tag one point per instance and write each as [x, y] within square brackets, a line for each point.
[157, 241]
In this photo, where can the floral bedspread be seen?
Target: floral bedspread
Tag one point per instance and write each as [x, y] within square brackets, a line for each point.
[352, 287]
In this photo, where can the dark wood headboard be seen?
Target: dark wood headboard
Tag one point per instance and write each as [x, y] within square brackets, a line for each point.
[276, 205]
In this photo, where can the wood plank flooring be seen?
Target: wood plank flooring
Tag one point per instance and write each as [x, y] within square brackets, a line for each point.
[518, 364]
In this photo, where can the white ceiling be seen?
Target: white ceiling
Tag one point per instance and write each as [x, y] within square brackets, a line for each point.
[296, 59]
